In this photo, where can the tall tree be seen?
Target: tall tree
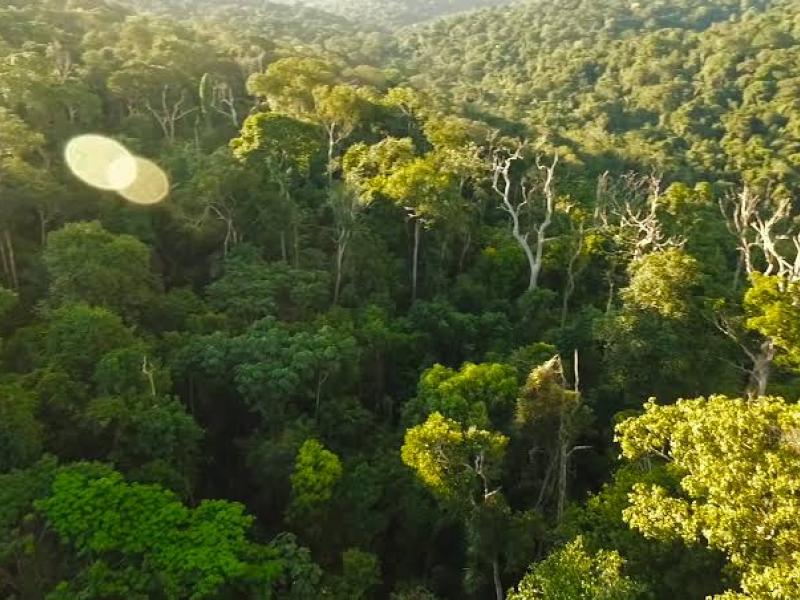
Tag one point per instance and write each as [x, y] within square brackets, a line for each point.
[518, 196]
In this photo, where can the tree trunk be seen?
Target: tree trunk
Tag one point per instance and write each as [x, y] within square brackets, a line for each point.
[561, 490]
[569, 287]
[533, 267]
[296, 236]
[341, 248]
[331, 149]
[498, 584]
[464, 251]
[738, 274]
[321, 379]
[42, 226]
[762, 365]
[12, 262]
[610, 302]
[6, 269]
[284, 253]
[226, 244]
[415, 259]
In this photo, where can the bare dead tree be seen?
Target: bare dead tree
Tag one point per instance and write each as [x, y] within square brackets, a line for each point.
[223, 210]
[631, 206]
[768, 244]
[627, 209]
[223, 101]
[518, 197]
[760, 358]
[169, 112]
[762, 227]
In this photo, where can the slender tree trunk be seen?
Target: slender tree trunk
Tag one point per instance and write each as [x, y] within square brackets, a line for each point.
[545, 485]
[331, 149]
[762, 366]
[341, 248]
[536, 266]
[12, 262]
[533, 267]
[42, 227]
[6, 269]
[415, 259]
[464, 251]
[561, 490]
[284, 254]
[569, 287]
[738, 273]
[321, 379]
[226, 244]
[498, 584]
[296, 236]
[317, 397]
[610, 302]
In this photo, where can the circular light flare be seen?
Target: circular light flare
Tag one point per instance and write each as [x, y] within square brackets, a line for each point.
[101, 162]
[150, 186]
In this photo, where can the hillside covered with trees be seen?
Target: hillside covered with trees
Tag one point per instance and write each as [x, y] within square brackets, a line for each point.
[501, 305]
[394, 13]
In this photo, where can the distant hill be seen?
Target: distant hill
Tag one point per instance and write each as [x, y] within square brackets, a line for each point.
[393, 13]
[703, 87]
[277, 21]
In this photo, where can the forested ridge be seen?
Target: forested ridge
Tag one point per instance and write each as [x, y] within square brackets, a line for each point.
[499, 305]
[393, 13]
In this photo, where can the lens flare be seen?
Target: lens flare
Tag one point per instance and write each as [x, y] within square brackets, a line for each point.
[150, 186]
[101, 162]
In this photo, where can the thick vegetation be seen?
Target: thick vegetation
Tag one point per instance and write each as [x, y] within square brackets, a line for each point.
[505, 305]
[389, 13]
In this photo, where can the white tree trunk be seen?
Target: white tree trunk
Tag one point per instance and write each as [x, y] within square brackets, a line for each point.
[498, 584]
[341, 247]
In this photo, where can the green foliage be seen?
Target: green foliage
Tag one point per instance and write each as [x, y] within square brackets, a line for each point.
[20, 431]
[451, 458]
[667, 568]
[475, 395]
[88, 264]
[572, 573]
[252, 289]
[280, 141]
[361, 571]
[151, 438]
[8, 300]
[316, 472]
[737, 465]
[79, 336]
[141, 538]
[663, 282]
[393, 13]
[772, 311]
[544, 396]
[650, 84]
[253, 336]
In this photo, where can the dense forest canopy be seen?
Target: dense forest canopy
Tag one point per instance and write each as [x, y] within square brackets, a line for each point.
[504, 304]
[696, 89]
[389, 13]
